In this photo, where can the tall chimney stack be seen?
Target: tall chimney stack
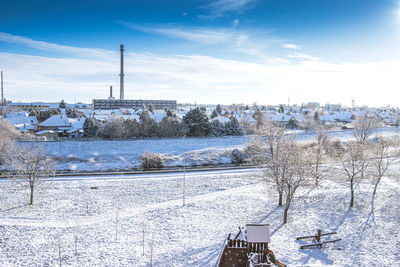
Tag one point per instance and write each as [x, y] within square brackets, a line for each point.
[121, 75]
[2, 93]
[110, 91]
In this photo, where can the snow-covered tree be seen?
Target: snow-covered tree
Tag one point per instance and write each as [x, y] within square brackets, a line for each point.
[365, 126]
[353, 161]
[217, 128]
[232, 127]
[214, 114]
[91, 127]
[113, 129]
[131, 128]
[62, 104]
[8, 134]
[318, 155]
[383, 153]
[31, 166]
[267, 153]
[218, 109]
[197, 122]
[148, 126]
[171, 127]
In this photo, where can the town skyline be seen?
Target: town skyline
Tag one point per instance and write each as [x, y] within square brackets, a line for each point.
[204, 52]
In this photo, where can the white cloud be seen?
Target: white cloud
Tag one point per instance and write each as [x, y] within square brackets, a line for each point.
[192, 34]
[291, 46]
[302, 56]
[200, 78]
[219, 7]
[51, 47]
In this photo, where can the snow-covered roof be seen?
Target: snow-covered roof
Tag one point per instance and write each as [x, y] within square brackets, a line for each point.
[44, 132]
[56, 120]
[22, 120]
[77, 123]
[24, 126]
[17, 114]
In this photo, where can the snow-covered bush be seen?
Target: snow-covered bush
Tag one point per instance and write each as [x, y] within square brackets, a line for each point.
[238, 156]
[151, 160]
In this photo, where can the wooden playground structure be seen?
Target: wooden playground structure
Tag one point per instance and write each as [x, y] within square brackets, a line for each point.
[318, 243]
[249, 248]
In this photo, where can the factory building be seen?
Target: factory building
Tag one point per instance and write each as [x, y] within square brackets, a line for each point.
[135, 104]
[112, 103]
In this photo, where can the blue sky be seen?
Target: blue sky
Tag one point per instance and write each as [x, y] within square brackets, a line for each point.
[221, 51]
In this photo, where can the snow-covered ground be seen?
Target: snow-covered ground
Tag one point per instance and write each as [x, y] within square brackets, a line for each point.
[113, 155]
[108, 222]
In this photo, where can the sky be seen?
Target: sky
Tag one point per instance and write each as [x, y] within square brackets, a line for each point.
[267, 52]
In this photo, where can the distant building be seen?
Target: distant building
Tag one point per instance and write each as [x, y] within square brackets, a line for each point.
[134, 104]
[28, 106]
[313, 105]
[333, 107]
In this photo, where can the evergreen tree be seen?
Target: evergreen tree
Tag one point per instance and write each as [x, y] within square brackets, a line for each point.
[217, 128]
[131, 128]
[168, 113]
[91, 127]
[62, 104]
[197, 122]
[218, 109]
[170, 127]
[214, 114]
[148, 126]
[259, 117]
[232, 127]
[316, 116]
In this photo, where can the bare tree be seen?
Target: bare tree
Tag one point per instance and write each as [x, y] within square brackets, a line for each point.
[31, 165]
[8, 134]
[297, 167]
[267, 148]
[318, 155]
[382, 158]
[365, 126]
[352, 164]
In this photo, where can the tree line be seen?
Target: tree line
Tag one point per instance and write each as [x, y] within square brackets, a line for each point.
[195, 123]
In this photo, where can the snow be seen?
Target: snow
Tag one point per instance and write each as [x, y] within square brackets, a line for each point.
[94, 155]
[56, 120]
[216, 204]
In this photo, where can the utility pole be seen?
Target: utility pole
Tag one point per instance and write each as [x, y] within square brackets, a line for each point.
[2, 93]
[184, 180]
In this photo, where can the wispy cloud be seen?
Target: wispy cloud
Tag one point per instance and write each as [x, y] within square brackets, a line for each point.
[302, 56]
[52, 47]
[222, 6]
[201, 35]
[235, 23]
[291, 46]
[219, 7]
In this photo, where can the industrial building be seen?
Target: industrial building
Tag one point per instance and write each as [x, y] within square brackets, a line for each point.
[112, 103]
[135, 104]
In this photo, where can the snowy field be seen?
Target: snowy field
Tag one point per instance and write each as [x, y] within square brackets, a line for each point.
[116, 154]
[106, 224]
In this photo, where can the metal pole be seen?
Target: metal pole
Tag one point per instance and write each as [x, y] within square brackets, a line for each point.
[184, 179]
[2, 93]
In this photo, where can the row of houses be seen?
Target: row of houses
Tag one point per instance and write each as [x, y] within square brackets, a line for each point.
[55, 126]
